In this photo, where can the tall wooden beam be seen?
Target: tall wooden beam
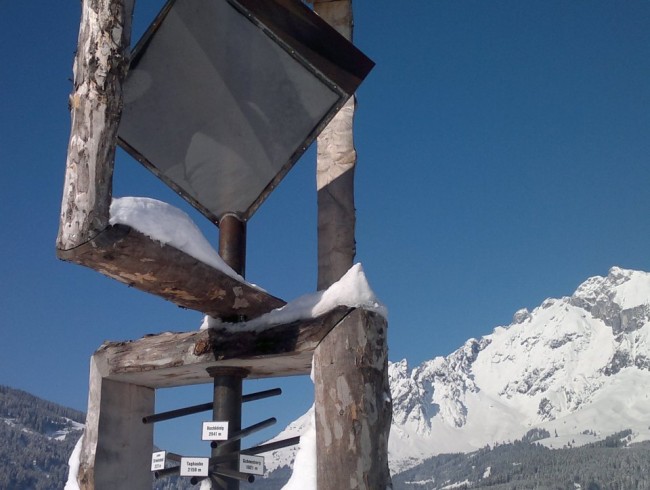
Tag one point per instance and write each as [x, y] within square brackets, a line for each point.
[352, 396]
[335, 172]
[100, 66]
[116, 449]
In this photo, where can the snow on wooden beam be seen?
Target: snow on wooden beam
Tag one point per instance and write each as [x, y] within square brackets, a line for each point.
[133, 258]
[177, 359]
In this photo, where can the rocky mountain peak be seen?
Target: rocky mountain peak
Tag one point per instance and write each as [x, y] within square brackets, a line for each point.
[620, 299]
[554, 363]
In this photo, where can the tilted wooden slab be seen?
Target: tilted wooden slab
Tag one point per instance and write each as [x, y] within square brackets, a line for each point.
[176, 359]
[135, 259]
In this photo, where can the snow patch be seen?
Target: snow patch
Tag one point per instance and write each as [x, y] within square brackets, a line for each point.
[60, 435]
[168, 225]
[351, 290]
[73, 464]
[420, 482]
[286, 456]
[458, 484]
[304, 468]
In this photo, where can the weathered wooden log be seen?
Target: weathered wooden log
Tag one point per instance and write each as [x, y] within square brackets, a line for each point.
[352, 396]
[132, 258]
[100, 67]
[117, 446]
[335, 172]
[353, 405]
[115, 449]
[177, 359]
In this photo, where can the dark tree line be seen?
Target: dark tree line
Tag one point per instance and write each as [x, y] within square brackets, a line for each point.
[610, 464]
[30, 458]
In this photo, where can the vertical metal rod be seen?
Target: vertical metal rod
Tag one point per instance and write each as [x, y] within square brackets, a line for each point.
[227, 407]
[227, 400]
[232, 242]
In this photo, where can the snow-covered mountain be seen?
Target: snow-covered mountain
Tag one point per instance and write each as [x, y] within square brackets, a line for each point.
[577, 367]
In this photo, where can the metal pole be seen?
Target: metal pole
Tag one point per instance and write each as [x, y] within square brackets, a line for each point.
[204, 407]
[227, 407]
[232, 242]
[227, 399]
[262, 448]
[236, 436]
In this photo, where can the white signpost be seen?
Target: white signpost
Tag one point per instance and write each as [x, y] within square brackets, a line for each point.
[250, 465]
[253, 465]
[215, 431]
[158, 461]
[195, 466]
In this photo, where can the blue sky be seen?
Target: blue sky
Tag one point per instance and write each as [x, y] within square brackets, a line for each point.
[503, 159]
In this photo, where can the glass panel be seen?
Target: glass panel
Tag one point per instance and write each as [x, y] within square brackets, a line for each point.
[217, 107]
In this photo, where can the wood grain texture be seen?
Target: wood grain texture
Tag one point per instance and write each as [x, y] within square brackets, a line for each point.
[353, 405]
[176, 359]
[100, 67]
[132, 258]
[352, 397]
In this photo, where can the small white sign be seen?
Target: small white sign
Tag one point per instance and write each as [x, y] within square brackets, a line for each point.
[215, 431]
[253, 465]
[194, 466]
[158, 460]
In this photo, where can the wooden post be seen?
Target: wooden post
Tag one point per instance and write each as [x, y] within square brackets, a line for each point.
[335, 172]
[353, 405]
[100, 66]
[117, 447]
[352, 396]
[116, 450]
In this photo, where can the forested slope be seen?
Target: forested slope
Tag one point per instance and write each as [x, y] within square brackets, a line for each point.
[37, 439]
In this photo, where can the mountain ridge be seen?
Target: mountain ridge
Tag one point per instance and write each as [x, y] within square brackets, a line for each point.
[559, 359]
[571, 367]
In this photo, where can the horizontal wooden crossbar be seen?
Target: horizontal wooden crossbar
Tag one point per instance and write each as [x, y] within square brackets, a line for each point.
[135, 259]
[176, 359]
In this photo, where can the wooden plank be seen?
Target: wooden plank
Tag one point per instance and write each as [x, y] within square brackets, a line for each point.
[133, 258]
[177, 359]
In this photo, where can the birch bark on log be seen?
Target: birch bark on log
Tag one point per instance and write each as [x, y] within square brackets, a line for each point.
[352, 395]
[335, 172]
[100, 66]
